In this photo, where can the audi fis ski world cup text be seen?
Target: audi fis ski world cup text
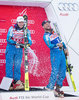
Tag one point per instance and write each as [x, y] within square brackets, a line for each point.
[3, 30]
[68, 6]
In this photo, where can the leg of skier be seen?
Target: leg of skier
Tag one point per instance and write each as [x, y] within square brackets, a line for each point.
[17, 64]
[61, 76]
[10, 52]
[17, 69]
[9, 62]
[55, 61]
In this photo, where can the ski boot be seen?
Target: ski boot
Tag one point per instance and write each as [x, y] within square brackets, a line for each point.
[17, 85]
[48, 89]
[58, 93]
[12, 84]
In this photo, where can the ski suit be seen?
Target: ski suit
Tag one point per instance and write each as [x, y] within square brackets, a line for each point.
[58, 61]
[14, 54]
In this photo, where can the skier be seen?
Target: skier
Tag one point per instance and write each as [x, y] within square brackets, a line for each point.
[57, 56]
[14, 52]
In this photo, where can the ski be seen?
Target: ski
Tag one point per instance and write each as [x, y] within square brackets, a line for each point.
[68, 65]
[26, 87]
[69, 70]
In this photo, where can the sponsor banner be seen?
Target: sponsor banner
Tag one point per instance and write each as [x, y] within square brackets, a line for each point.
[39, 53]
[42, 95]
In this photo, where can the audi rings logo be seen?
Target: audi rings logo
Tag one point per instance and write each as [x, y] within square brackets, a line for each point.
[2, 61]
[3, 41]
[68, 6]
[2, 50]
[32, 31]
[13, 21]
[31, 22]
[33, 41]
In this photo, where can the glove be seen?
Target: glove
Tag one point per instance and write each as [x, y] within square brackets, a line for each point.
[26, 45]
[19, 45]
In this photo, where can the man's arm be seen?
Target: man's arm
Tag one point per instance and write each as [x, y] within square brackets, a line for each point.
[10, 35]
[48, 42]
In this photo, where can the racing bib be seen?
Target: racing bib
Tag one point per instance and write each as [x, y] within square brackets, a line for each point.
[54, 38]
[18, 36]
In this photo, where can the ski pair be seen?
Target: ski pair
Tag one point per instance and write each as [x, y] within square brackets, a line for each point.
[68, 65]
[26, 86]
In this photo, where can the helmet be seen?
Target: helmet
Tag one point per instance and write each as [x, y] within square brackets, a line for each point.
[20, 19]
[45, 21]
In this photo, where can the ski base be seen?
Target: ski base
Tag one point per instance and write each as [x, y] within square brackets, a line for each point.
[26, 81]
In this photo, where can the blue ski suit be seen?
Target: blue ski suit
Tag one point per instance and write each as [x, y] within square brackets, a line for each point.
[14, 54]
[58, 61]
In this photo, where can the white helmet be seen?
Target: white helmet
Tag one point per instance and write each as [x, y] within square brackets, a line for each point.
[20, 19]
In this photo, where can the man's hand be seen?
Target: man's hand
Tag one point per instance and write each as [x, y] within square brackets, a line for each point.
[60, 44]
[19, 45]
[66, 52]
[26, 45]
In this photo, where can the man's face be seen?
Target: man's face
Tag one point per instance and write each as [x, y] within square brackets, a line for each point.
[21, 24]
[47, 26]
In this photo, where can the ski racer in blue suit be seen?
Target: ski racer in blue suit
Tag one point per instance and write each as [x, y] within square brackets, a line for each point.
[57, 56]
[14, 52]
